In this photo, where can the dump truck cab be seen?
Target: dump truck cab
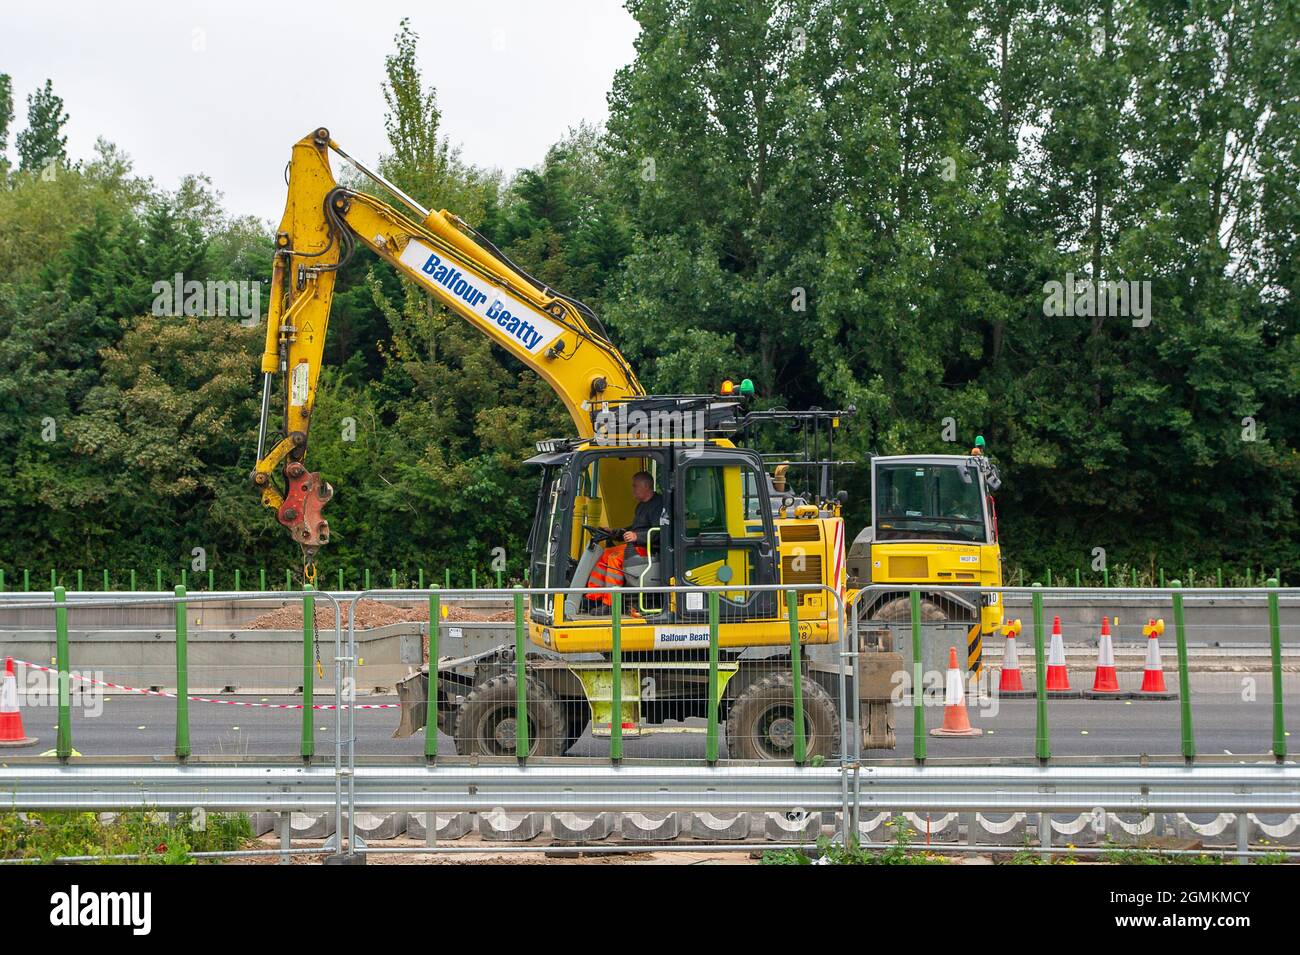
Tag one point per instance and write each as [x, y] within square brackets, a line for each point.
[933, 523]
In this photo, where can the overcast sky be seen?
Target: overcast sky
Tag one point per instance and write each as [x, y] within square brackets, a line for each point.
[225, 88]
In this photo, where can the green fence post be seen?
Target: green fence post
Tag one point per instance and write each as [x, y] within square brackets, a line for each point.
[2, 580]
[367, 584]
[1218, 577]
[1105, 576]
[212, 580]
[473, 578]
[54, 578]
[27, 579]
[1042, 743]
[1191, 577]
[237, 582]
[1162, 578]
[1275, 644]
[261, 579]
[421, 581]
[499, 580]
[1020, 576]
[796, 668]
[616, 672]
[105, 579]
[157, 572]
[521, 682]
[182, 680]
[446, 574]
[132, 580]
[81, 583]
[918, 681]
[63, 743]
[308, 676]
[1049, 576]
[341, 578]
[711, 742]
[1248, 583]
[392, 578]
[431, 713]
[288, 579]
[1078, 578]
[185, 577]
[1184, 684]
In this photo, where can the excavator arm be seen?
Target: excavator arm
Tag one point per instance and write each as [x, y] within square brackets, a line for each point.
[553, 334]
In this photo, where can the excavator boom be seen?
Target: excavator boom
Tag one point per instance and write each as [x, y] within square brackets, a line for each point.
[553, 334]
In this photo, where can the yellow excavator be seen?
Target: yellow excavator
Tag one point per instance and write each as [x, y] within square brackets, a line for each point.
[730, 516]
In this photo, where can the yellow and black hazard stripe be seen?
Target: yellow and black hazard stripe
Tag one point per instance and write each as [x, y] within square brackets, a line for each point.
[975, 649]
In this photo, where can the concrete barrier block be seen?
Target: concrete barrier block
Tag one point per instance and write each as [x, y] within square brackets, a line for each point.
[1000, 828]
[720, 827]
[793, 826]
[1211, 828]
[448, 826]
[262, 822]
[650, 827]
[1130, 828]
[871, 827]
[498, 825]
[307, 825]
[934, 826]
[582, 826]
[373, 825]
[1075, 829]
[1274, 829]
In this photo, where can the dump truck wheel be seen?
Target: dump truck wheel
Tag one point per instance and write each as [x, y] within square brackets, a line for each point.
[761, 722]
[485, 722]
[899, 610]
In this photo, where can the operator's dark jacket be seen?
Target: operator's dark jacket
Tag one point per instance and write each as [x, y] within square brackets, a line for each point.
[646, 516]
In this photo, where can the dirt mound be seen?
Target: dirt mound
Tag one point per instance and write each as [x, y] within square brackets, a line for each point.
[370, 614]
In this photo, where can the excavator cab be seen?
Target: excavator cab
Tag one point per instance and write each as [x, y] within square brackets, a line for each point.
[716, 529]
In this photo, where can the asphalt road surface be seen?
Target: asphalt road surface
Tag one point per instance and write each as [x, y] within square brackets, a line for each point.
[1226, 719]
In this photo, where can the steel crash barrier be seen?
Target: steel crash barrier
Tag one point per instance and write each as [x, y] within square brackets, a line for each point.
[664, 702]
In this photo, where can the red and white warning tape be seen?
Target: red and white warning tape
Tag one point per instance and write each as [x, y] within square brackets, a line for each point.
[208, 699]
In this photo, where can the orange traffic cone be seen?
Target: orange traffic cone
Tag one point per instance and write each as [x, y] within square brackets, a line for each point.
[11, 721]
[1105, 682]
[1010, 684]
[1058, 678]
[1153, 674]
[956, 722]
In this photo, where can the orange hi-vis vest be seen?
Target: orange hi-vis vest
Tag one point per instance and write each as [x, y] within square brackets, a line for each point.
[608, 571]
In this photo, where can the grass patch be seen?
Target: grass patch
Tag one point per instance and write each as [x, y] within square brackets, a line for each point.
[149, 837]
[833, 853]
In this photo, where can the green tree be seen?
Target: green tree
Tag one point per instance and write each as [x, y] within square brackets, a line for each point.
[6, 114]
[42, 141]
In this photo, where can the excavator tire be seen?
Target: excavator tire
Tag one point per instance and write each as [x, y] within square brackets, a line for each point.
[761, 722]
[577, 715]
[485, 722]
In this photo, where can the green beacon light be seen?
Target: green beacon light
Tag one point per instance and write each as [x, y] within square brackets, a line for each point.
[747, 387]
[979, 440]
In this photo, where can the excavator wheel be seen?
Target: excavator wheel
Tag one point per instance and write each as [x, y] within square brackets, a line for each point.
[485, 722]
[577, 715]
[761, 722]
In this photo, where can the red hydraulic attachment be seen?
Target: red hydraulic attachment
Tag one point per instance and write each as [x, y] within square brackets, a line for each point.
[305, 495]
